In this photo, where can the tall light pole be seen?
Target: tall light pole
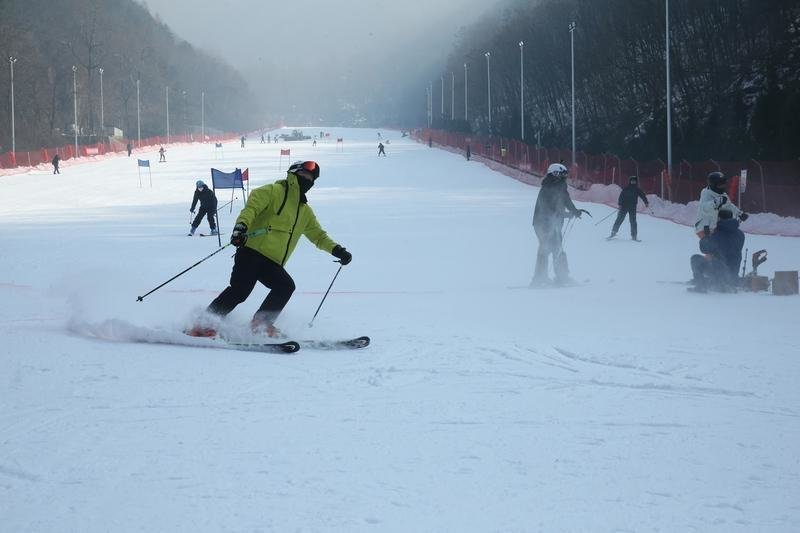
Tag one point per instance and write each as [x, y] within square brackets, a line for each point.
[203, 116]
[75, 103]
[102, 116]
[442, 102]
[452, 96]
[669, 107]
[11, 61]
[572, 48]
[465, 92]
[138, 118]
[167, 92]
[521, 92]
[489, 89]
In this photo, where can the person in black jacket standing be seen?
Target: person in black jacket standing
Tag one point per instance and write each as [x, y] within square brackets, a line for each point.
[628, 200]
[208, 207]
[552, 206]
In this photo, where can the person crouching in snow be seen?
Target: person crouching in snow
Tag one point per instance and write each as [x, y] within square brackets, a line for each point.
[628, 200]
[713, 200]
[718, 269]
[208, 207]
[552, 206]
[281, 209]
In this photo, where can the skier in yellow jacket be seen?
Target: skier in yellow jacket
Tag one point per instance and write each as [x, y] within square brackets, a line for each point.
[281, 209]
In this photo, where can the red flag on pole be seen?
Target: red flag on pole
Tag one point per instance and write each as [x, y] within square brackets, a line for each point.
[286, 152]
[246, 174]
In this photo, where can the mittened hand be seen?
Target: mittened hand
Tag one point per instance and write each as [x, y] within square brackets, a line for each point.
[341, 253]
[743, 217]
[239, 235]
[706, 231]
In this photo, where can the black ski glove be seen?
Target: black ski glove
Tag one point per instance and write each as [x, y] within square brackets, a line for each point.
[239, 235]
[706, 231]
[341, 253]
[743, 217]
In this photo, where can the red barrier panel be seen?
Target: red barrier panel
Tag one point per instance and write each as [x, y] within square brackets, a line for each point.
[772, 186]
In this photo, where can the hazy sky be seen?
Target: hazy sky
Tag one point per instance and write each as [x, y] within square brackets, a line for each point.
[309, 31]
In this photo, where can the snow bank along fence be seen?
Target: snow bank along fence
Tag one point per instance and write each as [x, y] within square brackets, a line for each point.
[757, 186]
[45, 155]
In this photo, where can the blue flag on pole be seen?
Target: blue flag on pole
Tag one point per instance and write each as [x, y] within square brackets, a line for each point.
[227, 180]
[144, 163]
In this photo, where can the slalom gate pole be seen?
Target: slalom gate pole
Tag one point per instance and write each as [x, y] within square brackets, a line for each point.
[310, 324]
[605, 217]
[209, 256]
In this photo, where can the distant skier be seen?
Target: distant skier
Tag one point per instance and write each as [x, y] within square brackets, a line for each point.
[55, 161]
[129, 147]
[381, 151]
[262, 138]
[552, 206]
[430, 142]
[314, 143]
[208, 207]
[713, 200]
[161, 155]
[628, 200]
[242, 139]
[469, 152]
[283, 210]
[718, 269]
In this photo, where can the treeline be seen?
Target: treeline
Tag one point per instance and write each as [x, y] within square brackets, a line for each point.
[121, 37]
[735, 68]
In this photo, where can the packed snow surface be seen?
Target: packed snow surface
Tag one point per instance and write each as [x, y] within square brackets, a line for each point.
[623, 403]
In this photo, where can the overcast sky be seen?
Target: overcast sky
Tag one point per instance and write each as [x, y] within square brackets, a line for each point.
[309, 31]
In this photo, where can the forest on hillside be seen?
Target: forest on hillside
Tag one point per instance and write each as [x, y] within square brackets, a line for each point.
[735, 77]
[123, 39]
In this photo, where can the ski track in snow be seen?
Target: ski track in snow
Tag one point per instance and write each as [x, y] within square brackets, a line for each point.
[617, 405]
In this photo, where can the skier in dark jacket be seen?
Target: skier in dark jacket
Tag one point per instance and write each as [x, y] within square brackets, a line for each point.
[552, 206]
[628, 200]
[56, 160]
[208, 207]
[381, 151]
[718, 269]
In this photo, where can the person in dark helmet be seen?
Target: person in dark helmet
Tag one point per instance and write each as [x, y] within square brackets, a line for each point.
[208, 207]
[552, 206]
[56, 160]
[266, 233]
[628, 200]
[713, 200]
[718, 268]
[381, 151]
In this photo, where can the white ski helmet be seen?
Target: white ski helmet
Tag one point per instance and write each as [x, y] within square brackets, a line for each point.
[557, 169]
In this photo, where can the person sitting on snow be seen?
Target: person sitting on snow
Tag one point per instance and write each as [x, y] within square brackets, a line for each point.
[713, 200]
[718, 269]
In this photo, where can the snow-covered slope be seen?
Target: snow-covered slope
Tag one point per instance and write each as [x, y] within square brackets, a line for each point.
[621, 404]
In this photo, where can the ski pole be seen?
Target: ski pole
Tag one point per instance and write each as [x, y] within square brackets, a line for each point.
[310, 324]
[250, 234]
[604, 218]
[141, 298]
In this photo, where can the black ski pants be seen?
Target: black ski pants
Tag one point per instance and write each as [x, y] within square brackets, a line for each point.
[249, 267]
[203, 212]
[631, 212]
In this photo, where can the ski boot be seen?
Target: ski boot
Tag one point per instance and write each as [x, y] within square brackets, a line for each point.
[191, 231]
[201, 331]
[260, 326]
[214, 231]
[613, 234]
